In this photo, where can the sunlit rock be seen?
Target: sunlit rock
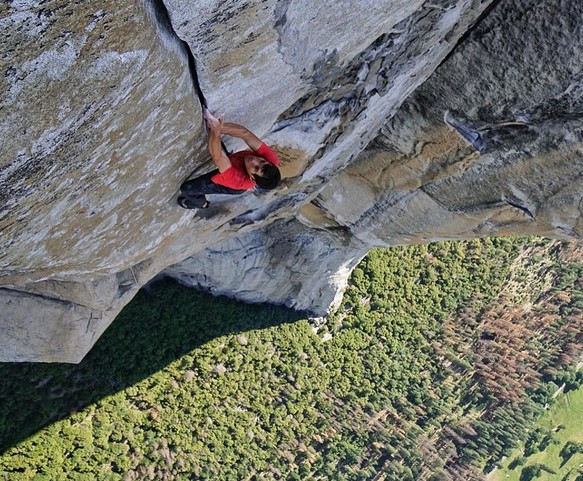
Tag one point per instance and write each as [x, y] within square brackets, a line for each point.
[100, 122]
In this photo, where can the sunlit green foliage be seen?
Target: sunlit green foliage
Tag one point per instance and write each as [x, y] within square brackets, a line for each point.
[563, 455]
[189, 386]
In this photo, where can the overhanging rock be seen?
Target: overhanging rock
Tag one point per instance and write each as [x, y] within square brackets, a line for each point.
[491, 145]
[100, 123]
[252, 267]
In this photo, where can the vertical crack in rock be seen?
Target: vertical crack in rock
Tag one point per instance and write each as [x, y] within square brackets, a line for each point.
[163, 19]
[345, 102]
[485, 14]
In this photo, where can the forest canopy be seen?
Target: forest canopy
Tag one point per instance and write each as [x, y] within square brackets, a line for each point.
[437, 363]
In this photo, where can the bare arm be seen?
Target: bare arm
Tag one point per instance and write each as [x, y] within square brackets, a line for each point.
[236, 130]
[219, 157]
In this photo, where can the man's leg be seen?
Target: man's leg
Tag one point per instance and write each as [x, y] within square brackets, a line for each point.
[196, 190]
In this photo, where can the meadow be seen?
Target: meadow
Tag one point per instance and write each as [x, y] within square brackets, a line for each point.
[564, 423]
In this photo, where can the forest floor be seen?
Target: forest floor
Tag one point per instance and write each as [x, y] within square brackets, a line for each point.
[567, 411]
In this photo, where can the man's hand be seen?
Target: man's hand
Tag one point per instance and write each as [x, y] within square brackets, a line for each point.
[215, 125]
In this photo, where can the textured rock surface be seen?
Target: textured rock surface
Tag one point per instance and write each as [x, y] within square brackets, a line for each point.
[251, 267]
[340, 100]
[93, 96]
[514, 92]
[100, 123]
[319, 78]
[256, 58]
[37, 329]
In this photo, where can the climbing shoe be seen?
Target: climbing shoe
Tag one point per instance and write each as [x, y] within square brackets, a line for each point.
[183, 202]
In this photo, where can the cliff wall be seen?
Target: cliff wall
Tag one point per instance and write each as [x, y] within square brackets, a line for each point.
[397, 122]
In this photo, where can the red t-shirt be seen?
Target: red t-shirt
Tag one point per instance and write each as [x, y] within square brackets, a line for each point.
[236, 176]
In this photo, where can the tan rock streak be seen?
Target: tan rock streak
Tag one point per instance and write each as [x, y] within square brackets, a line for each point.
[516, 166]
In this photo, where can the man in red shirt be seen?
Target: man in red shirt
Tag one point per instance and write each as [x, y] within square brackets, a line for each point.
[236, 172]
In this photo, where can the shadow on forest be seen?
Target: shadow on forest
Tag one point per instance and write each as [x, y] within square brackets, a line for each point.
[155, 329]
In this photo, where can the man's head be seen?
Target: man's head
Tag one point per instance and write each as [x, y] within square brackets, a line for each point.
[265, 174]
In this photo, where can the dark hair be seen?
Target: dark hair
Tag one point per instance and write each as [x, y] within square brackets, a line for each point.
[270, 178]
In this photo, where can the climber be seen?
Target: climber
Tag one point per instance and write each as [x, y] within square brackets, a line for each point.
[235, 173]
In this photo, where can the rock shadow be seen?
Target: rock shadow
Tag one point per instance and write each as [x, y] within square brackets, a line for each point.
[158, 327]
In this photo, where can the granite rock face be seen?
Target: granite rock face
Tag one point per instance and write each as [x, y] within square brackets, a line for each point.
[98, 111]
[490, 145]
[100, 123]
[251, 267]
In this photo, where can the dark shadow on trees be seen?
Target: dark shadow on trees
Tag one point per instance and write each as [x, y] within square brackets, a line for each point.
[155, 329]
[516, 462]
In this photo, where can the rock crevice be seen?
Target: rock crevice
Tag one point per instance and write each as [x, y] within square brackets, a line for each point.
[163, 20]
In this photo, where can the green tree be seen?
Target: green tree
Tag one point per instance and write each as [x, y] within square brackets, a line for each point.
[530, 472]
